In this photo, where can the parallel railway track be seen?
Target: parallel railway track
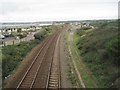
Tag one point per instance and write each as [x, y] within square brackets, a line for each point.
[43, 72]
[54, 71]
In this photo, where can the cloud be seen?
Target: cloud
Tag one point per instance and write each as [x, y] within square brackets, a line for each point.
[37, 10]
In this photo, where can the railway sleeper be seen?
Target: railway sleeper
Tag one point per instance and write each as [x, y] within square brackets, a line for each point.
[25, 86]
[54, 74]
[53, 80]
[55, 88]
[27, 81]
[53, 85]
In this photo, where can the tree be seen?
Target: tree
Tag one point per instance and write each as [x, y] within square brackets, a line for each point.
[19, 30]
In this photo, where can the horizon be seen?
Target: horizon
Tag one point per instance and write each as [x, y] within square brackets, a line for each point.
[56, 21]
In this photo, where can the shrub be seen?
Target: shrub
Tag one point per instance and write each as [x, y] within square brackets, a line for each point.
[13, 55]
[19, 30]
[113, 48]
[40, 35]
[100, 49]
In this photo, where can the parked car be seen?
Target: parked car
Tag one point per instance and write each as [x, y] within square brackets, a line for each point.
[17, 38]
[2, 36]
[6, 34]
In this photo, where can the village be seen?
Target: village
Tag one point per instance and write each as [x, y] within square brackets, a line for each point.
[15, 33]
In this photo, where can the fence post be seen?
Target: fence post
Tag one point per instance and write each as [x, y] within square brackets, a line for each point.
[13, 42]
[4, 43]
[19, 40]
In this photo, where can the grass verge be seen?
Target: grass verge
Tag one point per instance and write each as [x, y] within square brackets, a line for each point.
[83, 70]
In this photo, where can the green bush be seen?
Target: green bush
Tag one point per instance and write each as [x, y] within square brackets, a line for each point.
[99, 49]
[19, 30]
[22, 35]
[41, 35]
[12, 55]
[113, 49]
[85, 28]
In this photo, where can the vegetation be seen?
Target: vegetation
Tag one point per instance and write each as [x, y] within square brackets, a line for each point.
[42, 34]
[20, 34]
[72, 76]
[12, 55]
[99, 49]
[86, 76]
[71, 73]
[19, 30]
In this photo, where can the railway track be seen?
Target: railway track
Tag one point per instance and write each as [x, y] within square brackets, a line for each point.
[44, 70]
[54, 71]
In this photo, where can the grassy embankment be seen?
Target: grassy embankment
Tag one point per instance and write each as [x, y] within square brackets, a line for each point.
[99, 51]
[84, 72]
[12, 55]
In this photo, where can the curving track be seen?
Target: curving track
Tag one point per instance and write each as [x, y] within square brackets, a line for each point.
[44, 71]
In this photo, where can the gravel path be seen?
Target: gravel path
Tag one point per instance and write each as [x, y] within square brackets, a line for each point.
[65, 82]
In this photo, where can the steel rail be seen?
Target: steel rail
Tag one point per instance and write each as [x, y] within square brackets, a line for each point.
[43, 45]
[51, 67]
[41, 63]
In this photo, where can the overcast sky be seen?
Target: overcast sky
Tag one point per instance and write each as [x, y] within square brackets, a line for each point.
[50, 10]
